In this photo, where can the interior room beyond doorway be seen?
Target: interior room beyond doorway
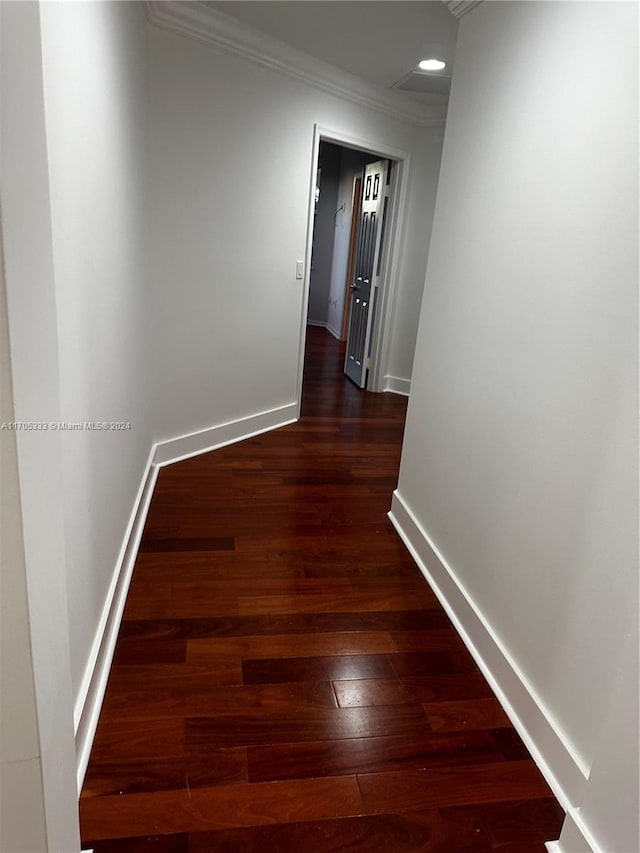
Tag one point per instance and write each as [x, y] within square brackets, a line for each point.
[339, 176]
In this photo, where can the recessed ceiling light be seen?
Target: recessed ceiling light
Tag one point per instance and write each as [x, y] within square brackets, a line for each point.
[432, 65]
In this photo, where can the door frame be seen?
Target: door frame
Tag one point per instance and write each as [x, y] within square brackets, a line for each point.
[395, 238]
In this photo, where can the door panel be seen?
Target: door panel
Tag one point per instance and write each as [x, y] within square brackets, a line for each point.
[356, 208]
[366, 264]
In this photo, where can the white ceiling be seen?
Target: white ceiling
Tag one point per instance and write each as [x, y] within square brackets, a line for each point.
[380, 41]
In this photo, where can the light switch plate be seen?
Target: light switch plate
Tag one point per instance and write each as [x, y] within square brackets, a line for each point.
[299, 269]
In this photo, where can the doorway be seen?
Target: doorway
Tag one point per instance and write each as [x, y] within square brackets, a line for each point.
[335, 223]
[337, 187]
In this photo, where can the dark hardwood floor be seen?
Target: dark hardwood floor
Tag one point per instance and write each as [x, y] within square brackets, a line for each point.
[284, 677]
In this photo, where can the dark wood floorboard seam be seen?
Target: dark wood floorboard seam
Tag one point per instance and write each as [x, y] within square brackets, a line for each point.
[284, 677]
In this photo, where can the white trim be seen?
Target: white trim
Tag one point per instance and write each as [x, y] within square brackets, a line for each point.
[396, 234]
[397, 385]
[347, 140]
[94, 683]
[332, 331]
[212, 438]
[388, 292]
[575, 836]
[306, 283]
[550, 748]
[200, 22]
[460, 7]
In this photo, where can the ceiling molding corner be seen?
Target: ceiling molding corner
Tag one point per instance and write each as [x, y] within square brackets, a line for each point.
[434, 122]
[197, 21]
[460, 7]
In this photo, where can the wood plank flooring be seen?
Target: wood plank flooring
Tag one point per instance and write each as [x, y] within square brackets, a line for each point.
[284, 677]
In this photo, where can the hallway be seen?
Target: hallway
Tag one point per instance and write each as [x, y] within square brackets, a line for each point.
[284, 677]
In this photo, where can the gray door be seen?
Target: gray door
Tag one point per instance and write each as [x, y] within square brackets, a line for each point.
[363, 287]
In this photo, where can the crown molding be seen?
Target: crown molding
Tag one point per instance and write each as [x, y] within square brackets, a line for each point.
[197, 21]
[460, 7]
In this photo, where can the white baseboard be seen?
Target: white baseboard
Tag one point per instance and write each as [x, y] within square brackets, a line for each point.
[94, 682]
[185, 446]
[332, 331]
[575, 837]
[561, 767]
[396, 385]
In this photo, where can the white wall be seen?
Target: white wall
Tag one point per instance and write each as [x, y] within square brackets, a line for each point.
[520, 453]
[422, 200]
[33, 339]
[231, 163]
[22, 820]
[155, 201]
[95, 101]
[324, 227]
[608, 813]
